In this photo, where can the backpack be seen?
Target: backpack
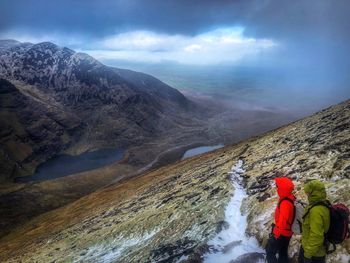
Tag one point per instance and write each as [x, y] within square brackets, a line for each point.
[298, 213]
[339, 224]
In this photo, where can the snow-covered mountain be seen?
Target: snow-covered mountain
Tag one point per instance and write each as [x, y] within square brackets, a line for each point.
[77, 77]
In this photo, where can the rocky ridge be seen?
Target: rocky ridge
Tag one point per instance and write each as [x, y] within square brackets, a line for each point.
[169, 214]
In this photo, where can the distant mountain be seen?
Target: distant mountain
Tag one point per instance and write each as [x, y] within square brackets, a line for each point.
[77, 78]
[8, 43]
[109, 107]
[62, 70]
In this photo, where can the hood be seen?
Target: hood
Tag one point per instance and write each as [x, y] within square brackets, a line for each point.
[285, 186]
[316, 191]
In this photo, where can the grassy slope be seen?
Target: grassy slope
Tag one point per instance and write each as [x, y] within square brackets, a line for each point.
[178, 207]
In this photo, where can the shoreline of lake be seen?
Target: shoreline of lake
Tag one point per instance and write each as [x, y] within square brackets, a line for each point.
[64, 164]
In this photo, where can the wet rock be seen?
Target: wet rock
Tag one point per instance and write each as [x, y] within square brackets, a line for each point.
[249, 258]
[171, 252]
[221, 225]
[227, 248]
[263, 197]
[215, 191]
[342, 127]
[257, 187]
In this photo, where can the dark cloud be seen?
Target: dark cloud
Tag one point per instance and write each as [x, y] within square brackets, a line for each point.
[320, 25]
[267, 18]
[312, 35]
[93, 17]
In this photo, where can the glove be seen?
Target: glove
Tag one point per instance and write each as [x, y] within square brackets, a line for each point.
[307, 260]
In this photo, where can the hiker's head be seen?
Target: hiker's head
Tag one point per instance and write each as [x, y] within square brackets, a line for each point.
[315, 191]
[284, 186]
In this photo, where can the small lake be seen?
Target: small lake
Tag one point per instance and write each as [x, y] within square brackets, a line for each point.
[63, 165]
[200, 150]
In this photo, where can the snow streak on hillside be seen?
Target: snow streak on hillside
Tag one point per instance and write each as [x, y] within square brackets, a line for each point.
[232, 242]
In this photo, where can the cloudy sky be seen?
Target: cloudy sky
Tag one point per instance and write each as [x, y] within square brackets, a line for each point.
[185, 31]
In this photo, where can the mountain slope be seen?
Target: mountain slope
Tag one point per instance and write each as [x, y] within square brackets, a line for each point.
[118, 108]
[170, 213]
[56, 101]
[31, 130]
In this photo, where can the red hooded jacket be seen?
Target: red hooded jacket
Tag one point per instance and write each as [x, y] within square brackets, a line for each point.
[284, 213]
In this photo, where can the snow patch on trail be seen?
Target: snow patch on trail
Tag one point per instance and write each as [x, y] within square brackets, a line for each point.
[232, 242]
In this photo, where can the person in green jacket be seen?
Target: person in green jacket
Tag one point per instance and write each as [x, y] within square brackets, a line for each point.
[315, 224]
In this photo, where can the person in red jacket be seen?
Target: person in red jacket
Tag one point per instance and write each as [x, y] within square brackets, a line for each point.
[282, 229]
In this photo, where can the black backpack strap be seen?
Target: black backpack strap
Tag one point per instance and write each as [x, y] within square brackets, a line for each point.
[322, 203]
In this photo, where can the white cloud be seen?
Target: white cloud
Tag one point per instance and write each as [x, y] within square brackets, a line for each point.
[220, 45]
[140, 40]
[193, 48]
[54, 37]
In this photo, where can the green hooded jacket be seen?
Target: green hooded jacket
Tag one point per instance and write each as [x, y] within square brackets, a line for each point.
[316, 222]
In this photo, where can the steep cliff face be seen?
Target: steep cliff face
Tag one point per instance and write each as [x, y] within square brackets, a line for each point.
[169, 214]
[32, 130]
